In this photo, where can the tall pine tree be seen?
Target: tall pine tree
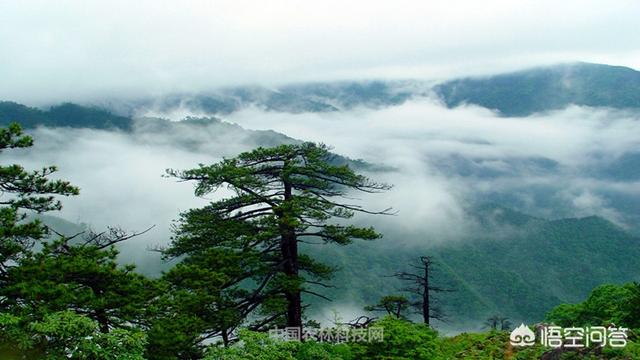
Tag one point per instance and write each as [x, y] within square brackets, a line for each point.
[280, 197]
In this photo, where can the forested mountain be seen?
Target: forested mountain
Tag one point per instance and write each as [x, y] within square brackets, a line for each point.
[542, 89]
[517, 265]
[294, 98]
[519, 93]
[64, 115]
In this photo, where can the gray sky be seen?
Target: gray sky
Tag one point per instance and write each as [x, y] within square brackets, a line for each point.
[82, 50]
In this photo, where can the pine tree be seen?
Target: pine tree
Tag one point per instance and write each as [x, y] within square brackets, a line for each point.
[280, 197]
[24, 191]
[67, 293]
[394, 305]
[83, 277]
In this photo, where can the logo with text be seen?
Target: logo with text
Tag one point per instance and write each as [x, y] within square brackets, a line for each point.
[570, 337]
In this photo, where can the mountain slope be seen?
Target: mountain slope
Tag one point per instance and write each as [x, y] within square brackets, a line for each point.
[64, 115]
[292, 98]
[519, 93]
[542, 89]
[517, 265]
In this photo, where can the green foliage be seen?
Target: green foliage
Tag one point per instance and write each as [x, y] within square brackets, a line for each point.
[24, 190]
[406, 340]
[175, 335]
[74, 301]
[62, 299]
[617, 304]
[84, 278]
[487, 345]
[630, 309]
[197, 303]
[402, 340]
[258, 346]
[66, 335]
[282, 196]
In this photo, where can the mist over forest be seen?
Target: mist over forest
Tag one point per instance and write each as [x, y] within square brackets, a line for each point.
[455, 170]
[181, 182]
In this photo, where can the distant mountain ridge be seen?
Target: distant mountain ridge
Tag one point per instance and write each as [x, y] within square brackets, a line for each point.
[547, 88]
[294, 98]
[119, 115]
[63, 115]
[520, 93]
[208, 134]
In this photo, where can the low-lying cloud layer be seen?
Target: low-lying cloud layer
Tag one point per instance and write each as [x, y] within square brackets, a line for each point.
[444, 161]
[447, 157]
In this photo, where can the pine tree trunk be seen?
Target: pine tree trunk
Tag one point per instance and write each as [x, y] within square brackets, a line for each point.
[289, 248]
[425, 296]
[103, 321]
[225, 337]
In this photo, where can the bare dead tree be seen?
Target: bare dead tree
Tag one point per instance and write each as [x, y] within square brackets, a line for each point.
[421, 287]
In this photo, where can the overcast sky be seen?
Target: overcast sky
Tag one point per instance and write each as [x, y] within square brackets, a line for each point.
[81, 50]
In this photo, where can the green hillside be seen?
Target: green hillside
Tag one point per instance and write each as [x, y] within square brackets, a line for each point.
[518, 266]
[63, 115]
[547, 88]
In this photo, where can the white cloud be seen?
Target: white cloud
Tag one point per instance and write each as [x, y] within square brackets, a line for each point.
[79, 50]
[422, 139]
[121, 184]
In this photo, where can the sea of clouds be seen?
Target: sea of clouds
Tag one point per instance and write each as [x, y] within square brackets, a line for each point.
[441, 161]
